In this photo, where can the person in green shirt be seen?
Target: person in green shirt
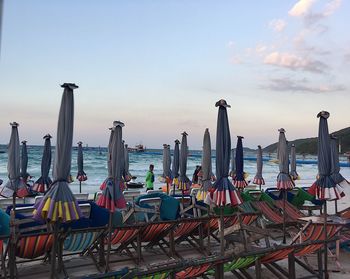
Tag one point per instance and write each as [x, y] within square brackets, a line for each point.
[150, 178]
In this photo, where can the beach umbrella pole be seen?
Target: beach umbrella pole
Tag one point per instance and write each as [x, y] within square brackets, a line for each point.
[284, 216]
[109, 240]
[326, 275]
[13, 238]
[167, 187]
[80, 187]
[336, 206]
[54, 251]
[222, 240]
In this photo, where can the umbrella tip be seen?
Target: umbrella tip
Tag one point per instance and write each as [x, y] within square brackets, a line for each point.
[79, 143]
[24, 141]
[324, 114]
[126, 145]
[281, 130]
[14, 124]
[177, 141]
[47, 136]
[184, 133]
[333, 136]
[222, 103]
[118, 123]
[165, 145]
[70, 86]
[240, 137]
[259, 146]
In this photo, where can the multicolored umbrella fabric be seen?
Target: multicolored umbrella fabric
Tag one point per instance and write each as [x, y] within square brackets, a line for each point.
[24, 162]
[335, 169]
[325, 188]
[109, 160]
[176, 163]
[81, 175]
[112, 196]
[184, 181]
[233, 164]
[127, 175]
[15, 185]
[284, 180]
[206, 171]
[224, 192]
[44, 182]
[258, 179]
[59, 203]
[293, 163]
[239, 180]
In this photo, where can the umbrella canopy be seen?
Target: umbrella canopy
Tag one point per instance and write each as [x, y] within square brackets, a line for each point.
[206, 171]
[166, 162]
[112, 196]
[24, 161]
[15, 185]
[44, 182]
[233, 164]
[184, 181]
[81, 175]
[109, 160]
[335, 169]
[324, 187]
[239, 180]
[258, 179]
[224, 192]
[293, 163]
[127, 174]
[123, 160]
[176, 163]
[284, 180]
[59, 203]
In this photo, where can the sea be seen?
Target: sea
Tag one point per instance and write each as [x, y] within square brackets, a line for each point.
[95, 166]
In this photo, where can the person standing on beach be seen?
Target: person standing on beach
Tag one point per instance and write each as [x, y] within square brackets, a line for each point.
[150, 178]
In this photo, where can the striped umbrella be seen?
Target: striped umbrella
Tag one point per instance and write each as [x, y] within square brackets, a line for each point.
[206, 171]
[59, 203]
[81, 175]
[184, 181]
[233, 164]
[24, 162]
[239, 180]
[335, 168]
[284, 180]
[127, 175]
[293, 163]
[258, 179]
[44, 182]
[15, 186]
[176, 164]
[112, 196]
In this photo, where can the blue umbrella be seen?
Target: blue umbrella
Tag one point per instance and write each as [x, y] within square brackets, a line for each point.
[239, 180]
[176, 164]
[81, 175]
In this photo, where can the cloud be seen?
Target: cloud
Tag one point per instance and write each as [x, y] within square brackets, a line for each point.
[277, 25]
[260, 48]
[230, 44]
[301, 8]
[329, 9]
[301, 85]
[294, 62]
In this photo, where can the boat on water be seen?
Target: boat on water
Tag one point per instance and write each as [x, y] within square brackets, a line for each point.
[137, 148]
[133, 184]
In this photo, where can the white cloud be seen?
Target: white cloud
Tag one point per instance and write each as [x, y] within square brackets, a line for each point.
[331, 7]
[294, 62]
[277, 25]
[230, 44]
[301, 8]
[260, 48]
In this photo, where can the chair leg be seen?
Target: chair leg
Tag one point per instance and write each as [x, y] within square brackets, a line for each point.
[291, 266]
[257, 269]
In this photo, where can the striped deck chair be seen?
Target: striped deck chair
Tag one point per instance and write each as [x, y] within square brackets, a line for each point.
[193, 271]
[241, 264]
[269, 213]
[292, 212]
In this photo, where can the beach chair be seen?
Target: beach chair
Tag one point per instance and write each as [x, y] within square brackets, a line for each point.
[82, 196]
[193, 271]
[154, 192]
[4, 203]
[292, 212]
[148, 207]
[110, 275]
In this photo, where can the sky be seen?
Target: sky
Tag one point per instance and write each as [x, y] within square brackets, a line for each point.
[160, 66]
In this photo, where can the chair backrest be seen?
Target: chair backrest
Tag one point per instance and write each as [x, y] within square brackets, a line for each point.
[176, 192]
[26, 211]
[151, 201]
[85, 209]
[130, 195]
[186, 200]
[82, 196]
[29, 200]
[37, 199]
[4, 203]
[154, 192]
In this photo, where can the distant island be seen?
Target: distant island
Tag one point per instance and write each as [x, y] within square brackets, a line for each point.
[309, 145]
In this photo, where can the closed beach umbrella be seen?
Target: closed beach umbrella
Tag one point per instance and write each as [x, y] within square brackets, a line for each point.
[81, 175]
[335, 168]
[233, 164]
[239, 180]
[293, 163]
[24, 162]
[127, 174]
[176, 165]
[44, 182]
[15, 186]
[184, 181]
[169, 164]
[206, 170]
[284, 180]
[224, 193]
[258, 179]
[59, 203]
[112, 196]
[123, 162]
[166, 162]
